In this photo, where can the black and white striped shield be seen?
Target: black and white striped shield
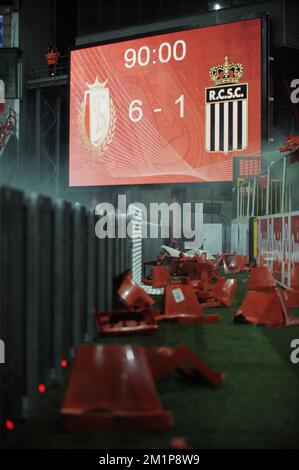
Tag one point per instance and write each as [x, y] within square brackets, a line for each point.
[226, 118]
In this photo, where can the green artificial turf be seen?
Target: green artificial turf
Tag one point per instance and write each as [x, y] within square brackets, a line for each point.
[257, 406]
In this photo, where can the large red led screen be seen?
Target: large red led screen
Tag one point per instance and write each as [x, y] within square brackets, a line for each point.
[170, 108]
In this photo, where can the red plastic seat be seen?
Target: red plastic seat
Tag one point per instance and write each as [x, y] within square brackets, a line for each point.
[132, 294]
[235, 264]
[162, 361]
[160, 276]
[181, 304]
[261, 279]
[127, 322]
[295, 277]
[112, 387]
[266, 308]
[224, 291]
[260, 308]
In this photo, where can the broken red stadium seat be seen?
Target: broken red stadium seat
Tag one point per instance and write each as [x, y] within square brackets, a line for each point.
[290, 144]
[292, 295]
[160, 276]
[295, 277]
[289, 319]
[261, 278]
[292, 298]
[127, 322]
[207, 267]
[162, 361]
[170, 262]
[236, 264]
[137, 318]
[181, 304]
[260, 308]
[218, 294]
[224, 291]
[111, 387]
[266, 308]
[220, 259]
[131, 293]
[188, 267]
[291, 148]
[196, 267]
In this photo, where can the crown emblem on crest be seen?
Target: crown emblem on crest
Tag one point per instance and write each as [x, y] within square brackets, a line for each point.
[226, 73]
[97, 83]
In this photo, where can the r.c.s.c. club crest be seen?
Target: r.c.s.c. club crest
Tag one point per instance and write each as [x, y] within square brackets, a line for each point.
[226, 108]
[97, 119]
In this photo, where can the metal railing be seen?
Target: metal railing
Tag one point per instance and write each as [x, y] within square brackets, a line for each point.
[37, 70]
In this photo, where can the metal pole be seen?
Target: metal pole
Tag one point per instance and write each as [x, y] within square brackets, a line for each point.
[57, 145]
[283, 185]
[253, 198]
[38, 135]
[268, 192]
[248, 198]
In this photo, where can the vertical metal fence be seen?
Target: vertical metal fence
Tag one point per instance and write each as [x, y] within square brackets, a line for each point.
[53, 272]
